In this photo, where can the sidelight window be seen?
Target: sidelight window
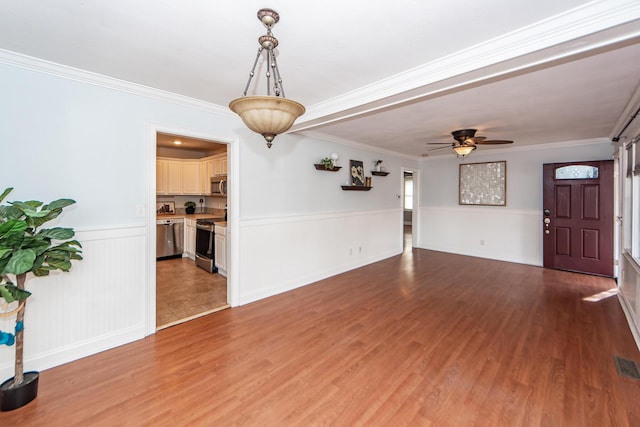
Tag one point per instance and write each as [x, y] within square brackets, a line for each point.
[631, 200]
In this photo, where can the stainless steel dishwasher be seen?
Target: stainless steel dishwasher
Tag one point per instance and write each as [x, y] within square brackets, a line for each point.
[169, 237]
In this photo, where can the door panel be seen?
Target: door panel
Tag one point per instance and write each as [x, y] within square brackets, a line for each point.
[578, 216]
[563, 201]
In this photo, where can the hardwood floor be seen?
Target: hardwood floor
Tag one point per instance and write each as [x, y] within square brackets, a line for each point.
[421, 339]
[185, 292]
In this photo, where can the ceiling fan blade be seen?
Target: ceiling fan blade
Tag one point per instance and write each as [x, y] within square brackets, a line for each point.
[494, 142]
[438, 143]
[438, 148]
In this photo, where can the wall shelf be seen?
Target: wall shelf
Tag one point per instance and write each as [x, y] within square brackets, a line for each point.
[356, 187]
[379, 173]
[321, 167]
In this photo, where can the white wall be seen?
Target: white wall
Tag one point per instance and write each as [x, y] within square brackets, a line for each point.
[512, 233]
[298, 226]
[67, 133]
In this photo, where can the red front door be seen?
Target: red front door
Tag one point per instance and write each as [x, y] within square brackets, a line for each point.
[577, 222]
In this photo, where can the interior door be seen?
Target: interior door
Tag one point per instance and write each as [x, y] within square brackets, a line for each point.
[578, 217]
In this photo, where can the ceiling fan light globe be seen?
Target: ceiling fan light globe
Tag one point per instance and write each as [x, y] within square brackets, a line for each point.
[464, 150]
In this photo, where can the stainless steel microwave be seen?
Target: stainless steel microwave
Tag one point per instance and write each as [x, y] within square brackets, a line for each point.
[219, 185]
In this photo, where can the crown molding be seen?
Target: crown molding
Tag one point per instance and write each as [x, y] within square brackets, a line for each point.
[47, 67]
[558, 35]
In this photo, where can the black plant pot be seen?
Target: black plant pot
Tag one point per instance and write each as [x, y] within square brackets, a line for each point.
[14, 398]
[190, 210]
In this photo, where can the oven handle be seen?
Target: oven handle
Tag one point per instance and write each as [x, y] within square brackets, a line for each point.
[206, 227]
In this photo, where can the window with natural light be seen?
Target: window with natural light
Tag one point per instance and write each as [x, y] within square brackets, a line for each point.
[408, 192]
[631, 201]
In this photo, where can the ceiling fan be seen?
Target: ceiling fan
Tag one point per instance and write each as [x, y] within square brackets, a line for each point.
[466, 141]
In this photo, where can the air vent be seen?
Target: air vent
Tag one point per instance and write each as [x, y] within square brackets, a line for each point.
[627, 367]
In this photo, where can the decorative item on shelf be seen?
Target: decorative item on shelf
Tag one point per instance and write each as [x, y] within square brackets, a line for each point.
[267, 115]
[357, 172]
[328, 163]
[367, 181]
[379, 169]
[190, 207]
[167, 208]
[27, 248]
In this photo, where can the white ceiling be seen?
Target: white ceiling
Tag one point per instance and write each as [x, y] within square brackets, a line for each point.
[393, 75]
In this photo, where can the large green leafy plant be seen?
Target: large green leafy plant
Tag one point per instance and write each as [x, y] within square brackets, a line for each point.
[25, 248]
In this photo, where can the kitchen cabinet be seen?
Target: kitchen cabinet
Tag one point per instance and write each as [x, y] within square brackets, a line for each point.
[219, 164]
[191, 178]
[220, 240]
[175, 176]
[211, 166]
[189, 238]
[161, 177]
[188, 177]
[207, 170]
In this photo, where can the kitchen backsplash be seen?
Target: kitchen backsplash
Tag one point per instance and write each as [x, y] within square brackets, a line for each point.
[209, 205]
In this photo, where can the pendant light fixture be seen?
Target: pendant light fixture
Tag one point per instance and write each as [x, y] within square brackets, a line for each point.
[268, 115]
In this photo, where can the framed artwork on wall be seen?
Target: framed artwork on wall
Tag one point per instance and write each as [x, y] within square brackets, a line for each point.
[356, 168]
[483, 184]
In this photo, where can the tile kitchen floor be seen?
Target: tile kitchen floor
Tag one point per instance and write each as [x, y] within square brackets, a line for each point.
[185, 292]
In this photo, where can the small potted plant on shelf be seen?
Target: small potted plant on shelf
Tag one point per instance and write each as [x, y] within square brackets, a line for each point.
[328, 163]
[190, 207]
[378, 165]
[26, 248]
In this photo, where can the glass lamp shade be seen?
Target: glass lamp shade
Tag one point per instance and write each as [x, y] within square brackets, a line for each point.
[464, 150]
[267, 115]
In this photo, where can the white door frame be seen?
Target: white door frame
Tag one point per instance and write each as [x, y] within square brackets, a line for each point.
[233, 172]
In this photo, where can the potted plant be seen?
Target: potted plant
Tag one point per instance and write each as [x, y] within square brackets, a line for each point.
[328, 163]
[190, 207]
[378, 165]
[26, 248]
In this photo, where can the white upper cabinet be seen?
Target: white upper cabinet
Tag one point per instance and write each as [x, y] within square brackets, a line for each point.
[191, 183]
[174, 177]
[162, 177]
[188, 177]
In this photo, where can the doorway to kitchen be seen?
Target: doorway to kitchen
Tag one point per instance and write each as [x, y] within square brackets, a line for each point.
[186, 289]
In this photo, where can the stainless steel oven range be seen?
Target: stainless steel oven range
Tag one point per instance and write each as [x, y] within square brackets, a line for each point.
[205, 247]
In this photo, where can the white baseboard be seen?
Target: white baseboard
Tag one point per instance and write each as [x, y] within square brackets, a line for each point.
[59, 356]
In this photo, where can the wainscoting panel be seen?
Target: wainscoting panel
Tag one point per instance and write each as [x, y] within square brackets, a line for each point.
[629, 295]
[97, 305]
[281, 254]
[486, 232]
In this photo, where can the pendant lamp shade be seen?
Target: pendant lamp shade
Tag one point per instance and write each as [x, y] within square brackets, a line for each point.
[267, 115]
